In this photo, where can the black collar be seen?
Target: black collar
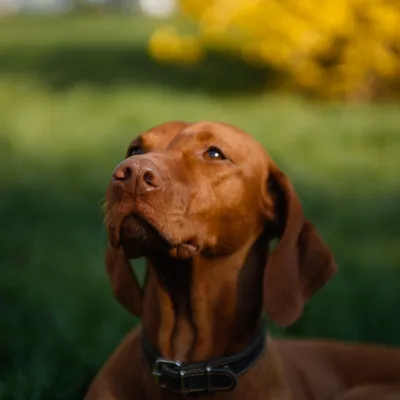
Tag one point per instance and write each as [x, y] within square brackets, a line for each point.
[203, 377]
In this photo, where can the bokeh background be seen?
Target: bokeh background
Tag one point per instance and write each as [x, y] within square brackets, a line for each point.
[316, 81]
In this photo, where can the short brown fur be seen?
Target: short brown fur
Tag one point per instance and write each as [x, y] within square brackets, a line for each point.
[204, 224]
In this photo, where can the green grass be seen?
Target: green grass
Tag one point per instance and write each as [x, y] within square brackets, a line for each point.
[71, 98]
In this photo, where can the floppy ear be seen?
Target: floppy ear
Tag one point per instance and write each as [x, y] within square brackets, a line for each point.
[301, 263]
[124, 283]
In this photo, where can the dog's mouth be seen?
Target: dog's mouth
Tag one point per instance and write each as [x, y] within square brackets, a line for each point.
[140, 237]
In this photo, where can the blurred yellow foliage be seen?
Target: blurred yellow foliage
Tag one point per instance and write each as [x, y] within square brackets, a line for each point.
[168, 46]
[334, 48]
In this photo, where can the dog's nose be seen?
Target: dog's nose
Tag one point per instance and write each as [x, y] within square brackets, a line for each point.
[122, 172]
[141, 172]
[148, 178]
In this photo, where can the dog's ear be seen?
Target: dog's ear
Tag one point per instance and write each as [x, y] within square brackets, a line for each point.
[301, 263]
[124, 283]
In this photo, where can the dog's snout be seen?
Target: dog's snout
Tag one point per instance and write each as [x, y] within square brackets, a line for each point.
[122, 173]
[148, 178]
[141, 173]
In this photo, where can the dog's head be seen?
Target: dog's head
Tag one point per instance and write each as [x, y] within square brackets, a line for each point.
[210, 190]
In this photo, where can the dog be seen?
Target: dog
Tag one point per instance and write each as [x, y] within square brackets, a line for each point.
[203, 203]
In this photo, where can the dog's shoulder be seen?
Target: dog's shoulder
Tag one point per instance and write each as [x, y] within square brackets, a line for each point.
[122, 376]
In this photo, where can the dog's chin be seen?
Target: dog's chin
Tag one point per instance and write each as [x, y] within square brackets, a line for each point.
[140, 238]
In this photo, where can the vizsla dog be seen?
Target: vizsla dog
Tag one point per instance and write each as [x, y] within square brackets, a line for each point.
[202, 203]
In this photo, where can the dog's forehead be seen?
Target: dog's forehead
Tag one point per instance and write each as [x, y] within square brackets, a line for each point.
[158, 137]
[215, 129]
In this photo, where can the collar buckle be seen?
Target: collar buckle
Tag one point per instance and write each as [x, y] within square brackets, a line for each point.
[157, 369]
[187, 373]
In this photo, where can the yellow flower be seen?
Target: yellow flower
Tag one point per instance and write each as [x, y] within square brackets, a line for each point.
[164, 44]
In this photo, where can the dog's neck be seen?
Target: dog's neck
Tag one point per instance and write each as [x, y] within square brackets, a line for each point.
[206, 307]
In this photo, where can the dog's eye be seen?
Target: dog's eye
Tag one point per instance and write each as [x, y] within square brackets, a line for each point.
[134, 151]
[214, 153]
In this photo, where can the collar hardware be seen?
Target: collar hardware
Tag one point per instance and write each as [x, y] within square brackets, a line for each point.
[164, 371]
[157, 372]
[202, 377]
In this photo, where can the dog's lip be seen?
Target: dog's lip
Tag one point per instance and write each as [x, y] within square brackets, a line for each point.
[184, 250]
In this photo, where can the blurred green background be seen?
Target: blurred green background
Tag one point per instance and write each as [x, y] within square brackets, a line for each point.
[73, 92]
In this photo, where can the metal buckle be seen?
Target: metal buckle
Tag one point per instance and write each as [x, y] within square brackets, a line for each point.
[157, 369]
[186, 373]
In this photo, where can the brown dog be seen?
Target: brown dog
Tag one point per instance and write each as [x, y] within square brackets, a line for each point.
[202, 203]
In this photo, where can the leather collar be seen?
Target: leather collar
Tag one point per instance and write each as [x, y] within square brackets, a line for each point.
[203, 377]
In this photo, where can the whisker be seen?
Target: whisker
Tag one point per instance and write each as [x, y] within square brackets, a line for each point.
[102, 201]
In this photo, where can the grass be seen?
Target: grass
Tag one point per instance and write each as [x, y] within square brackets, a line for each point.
[72, 97]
